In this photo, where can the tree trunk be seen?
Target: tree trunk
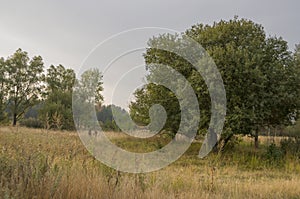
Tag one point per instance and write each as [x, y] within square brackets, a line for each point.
[225, 142]
[15, 119]
[256, 139]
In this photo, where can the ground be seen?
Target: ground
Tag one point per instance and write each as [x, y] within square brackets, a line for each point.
[36, 163]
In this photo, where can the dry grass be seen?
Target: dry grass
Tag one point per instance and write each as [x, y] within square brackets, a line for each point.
[54, 164]
[264, 140]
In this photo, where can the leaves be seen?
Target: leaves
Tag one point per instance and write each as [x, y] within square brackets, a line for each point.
[56, 111]
[23, 81]
[87, 95]
[260, 76]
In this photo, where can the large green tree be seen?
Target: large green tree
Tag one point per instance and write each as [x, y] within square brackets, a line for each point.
[258, 74]
[24, 77]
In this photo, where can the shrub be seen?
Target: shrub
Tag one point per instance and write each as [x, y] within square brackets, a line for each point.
[274, 153]
[109, 126]
[31, 123]
[291, 146]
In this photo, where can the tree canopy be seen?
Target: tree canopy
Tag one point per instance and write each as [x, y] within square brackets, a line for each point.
[56, 110]
[259, 75]
[23, 81]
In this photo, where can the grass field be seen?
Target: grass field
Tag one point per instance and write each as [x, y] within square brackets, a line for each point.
[36, 163]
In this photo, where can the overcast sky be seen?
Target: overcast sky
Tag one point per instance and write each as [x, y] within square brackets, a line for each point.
[64, 32]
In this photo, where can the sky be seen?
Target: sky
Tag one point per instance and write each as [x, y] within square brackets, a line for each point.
[65, 32]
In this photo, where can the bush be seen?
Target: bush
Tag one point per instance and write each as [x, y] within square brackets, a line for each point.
[291, 146]
[31, 123]
[4, 120]
[274, 153]
[109, 126]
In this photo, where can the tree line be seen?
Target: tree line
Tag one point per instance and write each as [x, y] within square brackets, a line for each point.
[41, 98]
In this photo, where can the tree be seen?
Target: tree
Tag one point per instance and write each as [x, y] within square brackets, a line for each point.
[56, 110]
[24, 78]
[60, 78]
[258, 74]
[107, 119]
[91, 86]
[280, 88]
[87, 96]
[146, 97]
[2, 89]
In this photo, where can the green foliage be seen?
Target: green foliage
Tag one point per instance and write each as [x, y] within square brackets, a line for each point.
[60, 78]
[154, 94]
[23, 81]
[291, 146]
[293, 130]
[87, 97]
[105, 114]
[109, 125]
[106, 120]
[260, 76]
[274, 153]
[91, 86]
[33, 111]
[56, 110]
[2, 90]
[31, 123]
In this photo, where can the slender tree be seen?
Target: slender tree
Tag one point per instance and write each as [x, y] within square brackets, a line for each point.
[87, 96]
[2, 89]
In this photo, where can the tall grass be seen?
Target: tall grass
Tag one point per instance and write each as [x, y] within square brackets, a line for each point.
[54, 164]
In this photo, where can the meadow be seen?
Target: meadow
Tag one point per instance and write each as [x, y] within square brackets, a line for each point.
[36, 163]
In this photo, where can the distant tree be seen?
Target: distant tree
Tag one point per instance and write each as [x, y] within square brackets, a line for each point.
[33, 112]
[107, 116]
[24, 77]
[91, 84]
[87, 97]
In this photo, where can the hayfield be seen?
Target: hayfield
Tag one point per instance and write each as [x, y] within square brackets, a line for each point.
[37, 163]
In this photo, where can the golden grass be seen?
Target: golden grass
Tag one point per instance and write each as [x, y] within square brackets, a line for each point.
[264, 140]
[36, 163]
